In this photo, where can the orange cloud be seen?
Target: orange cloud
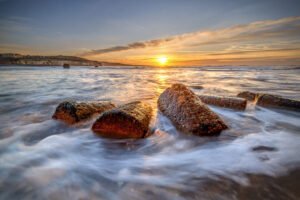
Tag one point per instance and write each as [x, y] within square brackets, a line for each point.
[275, 38]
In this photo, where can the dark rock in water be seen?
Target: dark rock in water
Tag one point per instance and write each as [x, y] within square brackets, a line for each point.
[250, 96]
[127, 121]
[263, 148]
[188, 113]
[96, 66]
[225, 102]
[271, 101]
[198, 87]
[66, 65]
[274, 101]
[72, 112]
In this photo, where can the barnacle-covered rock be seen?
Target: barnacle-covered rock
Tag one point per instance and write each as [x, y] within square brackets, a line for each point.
[72, 112]
[271, 101]
[188, 113]
[225, 102]
[126, 121]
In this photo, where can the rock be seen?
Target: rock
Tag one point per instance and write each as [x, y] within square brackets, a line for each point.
[271, 101]
[225, 102]
[188, 113]
[66, 65]
[274, 101]
[250, 96]
[127, 121]
[72, 112]
[198, 87]
[263, 148]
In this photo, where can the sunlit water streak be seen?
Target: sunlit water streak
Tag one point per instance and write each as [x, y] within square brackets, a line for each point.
[44, 159]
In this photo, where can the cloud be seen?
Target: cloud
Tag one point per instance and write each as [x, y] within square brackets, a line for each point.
[280, 33]
[135, 45]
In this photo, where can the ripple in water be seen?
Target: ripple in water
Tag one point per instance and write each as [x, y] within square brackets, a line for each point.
[45, 159]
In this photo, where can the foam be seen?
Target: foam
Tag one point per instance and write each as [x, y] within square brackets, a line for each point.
[55, 160]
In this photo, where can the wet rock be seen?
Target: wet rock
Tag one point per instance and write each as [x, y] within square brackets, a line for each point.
[271, 101]
[267, 100]
[188, 113]
[198, 87]
[127, 121]
[66, 65]
[72, 112]
[225, 102]
[263, 148]
[250, 96]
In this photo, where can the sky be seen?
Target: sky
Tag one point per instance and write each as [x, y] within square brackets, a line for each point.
[144, 32]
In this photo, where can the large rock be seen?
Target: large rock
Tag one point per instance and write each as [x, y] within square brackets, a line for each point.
[271, 101]
[225, 102]
[188, 113]
[127, 121]
[72, 112]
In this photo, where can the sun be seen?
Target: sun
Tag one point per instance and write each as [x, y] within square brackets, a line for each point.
[162, 60]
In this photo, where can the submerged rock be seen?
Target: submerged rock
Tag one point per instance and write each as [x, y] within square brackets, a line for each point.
[263, 148]
[271, 101]
[250, 96]
[188, 113]
[225, 102]
[72, 112]
[66, 65]
[127, 121]
[198, 87]
[274, 101]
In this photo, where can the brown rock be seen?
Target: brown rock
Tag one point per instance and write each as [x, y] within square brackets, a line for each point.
[188, 113]
[250, 96]
[66, 65]
[198, 87]
[72, 112]
[225, 102]
[274, 101]
[127, 121]
[271, 101]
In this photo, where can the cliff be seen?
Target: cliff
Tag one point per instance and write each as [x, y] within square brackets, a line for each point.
[18, 59]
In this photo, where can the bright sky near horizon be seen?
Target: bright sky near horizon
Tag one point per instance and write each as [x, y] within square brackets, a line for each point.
[157, 32]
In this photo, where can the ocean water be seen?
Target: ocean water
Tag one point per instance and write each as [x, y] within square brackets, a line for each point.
[40, 158]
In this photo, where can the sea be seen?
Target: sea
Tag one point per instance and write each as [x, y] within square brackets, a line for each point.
[258, 157]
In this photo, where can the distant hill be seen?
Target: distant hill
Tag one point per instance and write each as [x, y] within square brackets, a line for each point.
[18, 59]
